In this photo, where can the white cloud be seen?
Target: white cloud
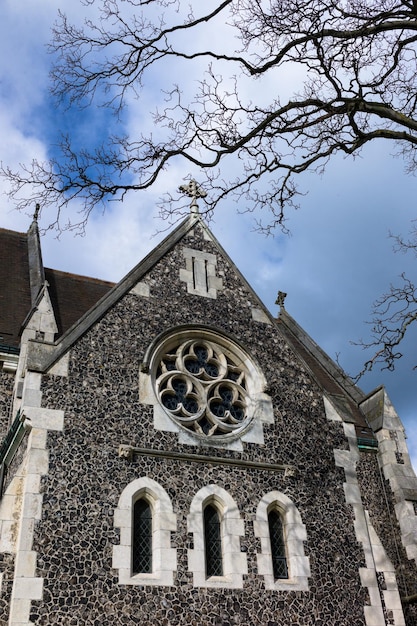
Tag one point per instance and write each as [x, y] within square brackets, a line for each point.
[114, 242]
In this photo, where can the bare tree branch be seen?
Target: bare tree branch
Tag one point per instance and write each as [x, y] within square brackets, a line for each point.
[392, 316]
[358, 68]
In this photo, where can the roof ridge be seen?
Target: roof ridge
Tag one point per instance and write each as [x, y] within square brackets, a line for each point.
[82, 276]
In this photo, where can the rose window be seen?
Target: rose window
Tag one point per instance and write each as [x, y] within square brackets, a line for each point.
[203, 387]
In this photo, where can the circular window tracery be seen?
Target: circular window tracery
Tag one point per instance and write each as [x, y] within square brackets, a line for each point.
[204, 387]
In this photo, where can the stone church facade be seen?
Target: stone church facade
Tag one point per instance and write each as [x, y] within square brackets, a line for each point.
[173, 454]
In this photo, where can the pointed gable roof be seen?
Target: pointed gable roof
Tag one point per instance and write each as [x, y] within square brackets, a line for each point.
[330, 377]
[43, 358]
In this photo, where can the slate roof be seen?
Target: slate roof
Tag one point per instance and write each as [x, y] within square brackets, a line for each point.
[338, 387]
[15, 299]
[71, 295]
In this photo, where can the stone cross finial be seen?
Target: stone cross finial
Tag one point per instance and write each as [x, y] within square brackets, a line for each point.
[36, 213]
[281, 299]
[193, 191]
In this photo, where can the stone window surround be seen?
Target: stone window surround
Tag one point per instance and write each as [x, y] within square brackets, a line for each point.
[164, 520]
[232, 528]
[294, 536]
[261, 403]
[189, 382]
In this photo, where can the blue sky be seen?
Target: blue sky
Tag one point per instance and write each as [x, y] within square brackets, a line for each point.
[337, 260]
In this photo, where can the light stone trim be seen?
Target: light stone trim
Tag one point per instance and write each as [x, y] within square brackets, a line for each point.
[42, 420]
[27, 586]
[10, 508]
[43, 318]
[129, 452]
[392, 445]
[40, 326]
[232, 528]
[141, 289]
[200, 273]
[294, 536]
[258, 315]
[21, 507]
[60, 367]
[8, 362]
[331, 414]
[376, 558]
[164, 521]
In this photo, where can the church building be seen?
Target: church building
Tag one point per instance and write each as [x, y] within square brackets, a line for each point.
[173, 454]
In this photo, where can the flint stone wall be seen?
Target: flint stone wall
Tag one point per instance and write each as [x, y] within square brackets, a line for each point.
[6, 560]
[7, 572]
[378, 500]
[6, 397]
[75, 537]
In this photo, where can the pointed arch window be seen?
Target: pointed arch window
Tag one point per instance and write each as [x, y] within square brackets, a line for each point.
[146, 521]
[142, 538]
[282, 561]
[213, 542]
[278, 552]
[215, 523]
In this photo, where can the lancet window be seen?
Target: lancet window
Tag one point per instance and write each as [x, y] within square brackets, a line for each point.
[213, 542]
[278, 552]
[142, 537]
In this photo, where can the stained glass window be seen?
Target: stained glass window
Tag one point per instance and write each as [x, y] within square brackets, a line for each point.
[276, 535]
[213, 542]
[142, 538]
